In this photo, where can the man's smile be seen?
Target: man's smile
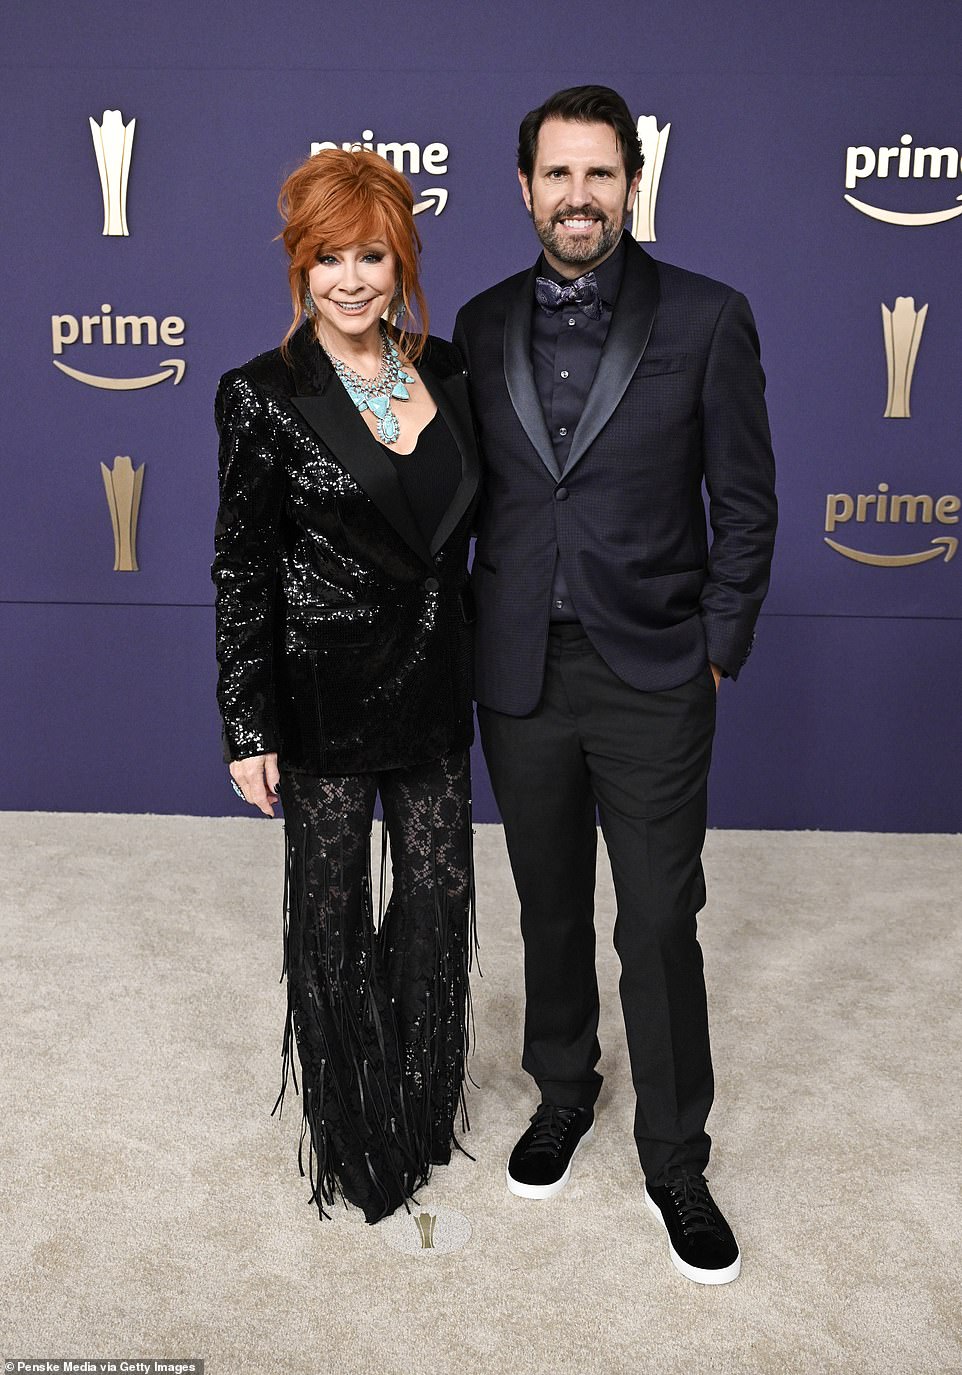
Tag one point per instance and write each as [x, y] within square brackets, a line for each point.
[579, 226]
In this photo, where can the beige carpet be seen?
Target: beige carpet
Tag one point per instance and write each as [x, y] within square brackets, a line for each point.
[151, 1207]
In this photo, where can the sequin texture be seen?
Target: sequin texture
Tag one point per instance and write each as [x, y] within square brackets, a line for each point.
[341, 643]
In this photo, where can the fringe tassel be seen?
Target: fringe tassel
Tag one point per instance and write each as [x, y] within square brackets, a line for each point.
[370, 1138]
[287, 1041]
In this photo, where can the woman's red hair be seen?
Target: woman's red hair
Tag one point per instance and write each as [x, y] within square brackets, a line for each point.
[338, 198]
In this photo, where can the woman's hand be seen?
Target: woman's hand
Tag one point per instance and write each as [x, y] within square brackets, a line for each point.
[257, 779]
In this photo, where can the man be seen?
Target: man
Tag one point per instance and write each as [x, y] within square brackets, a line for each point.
[609, 389]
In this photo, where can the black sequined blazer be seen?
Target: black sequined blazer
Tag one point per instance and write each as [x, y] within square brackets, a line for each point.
[343, 640]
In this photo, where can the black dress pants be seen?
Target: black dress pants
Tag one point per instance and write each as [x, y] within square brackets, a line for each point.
[639, 760]
[379, 1011]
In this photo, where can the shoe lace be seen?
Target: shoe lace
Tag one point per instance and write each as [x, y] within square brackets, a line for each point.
[693, 1203]
[550, 1126]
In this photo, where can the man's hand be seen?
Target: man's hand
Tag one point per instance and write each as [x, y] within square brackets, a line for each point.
[257, 779]
[716, 673]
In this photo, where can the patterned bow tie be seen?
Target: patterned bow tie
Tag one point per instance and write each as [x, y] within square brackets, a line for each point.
[583, 292]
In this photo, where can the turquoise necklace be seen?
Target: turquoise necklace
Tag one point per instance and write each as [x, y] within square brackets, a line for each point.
[376, 396]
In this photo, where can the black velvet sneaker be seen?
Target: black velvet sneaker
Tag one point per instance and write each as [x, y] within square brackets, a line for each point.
[700, 1241]
[540, 1164]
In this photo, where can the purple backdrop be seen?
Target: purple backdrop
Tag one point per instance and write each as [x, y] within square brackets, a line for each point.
[848, 714]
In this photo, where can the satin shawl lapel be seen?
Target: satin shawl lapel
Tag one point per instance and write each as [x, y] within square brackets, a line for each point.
[451, 395]
[628, 335]
[519, 374]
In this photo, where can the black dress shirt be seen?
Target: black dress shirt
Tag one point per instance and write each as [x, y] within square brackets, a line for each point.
[565, 352]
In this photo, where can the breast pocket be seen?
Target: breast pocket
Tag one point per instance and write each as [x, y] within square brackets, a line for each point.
[662, 393]
[656, 365]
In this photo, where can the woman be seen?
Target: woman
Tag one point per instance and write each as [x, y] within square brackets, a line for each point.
[348, 476]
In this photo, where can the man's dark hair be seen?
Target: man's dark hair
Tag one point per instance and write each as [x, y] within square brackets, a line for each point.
[586, 105]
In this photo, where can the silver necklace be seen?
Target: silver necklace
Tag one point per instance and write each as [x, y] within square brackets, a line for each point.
[376, 395]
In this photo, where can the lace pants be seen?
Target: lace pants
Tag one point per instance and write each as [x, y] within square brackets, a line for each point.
[379, 1010]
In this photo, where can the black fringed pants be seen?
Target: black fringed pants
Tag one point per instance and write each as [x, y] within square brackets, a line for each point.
[379, 1010]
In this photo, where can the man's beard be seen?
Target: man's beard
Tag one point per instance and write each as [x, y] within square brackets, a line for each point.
[574, 251]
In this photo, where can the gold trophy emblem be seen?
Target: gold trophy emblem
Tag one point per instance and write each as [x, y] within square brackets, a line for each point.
[653, 142]
[123, 485]
[425, 1225]
[902, 326]
[113, 143]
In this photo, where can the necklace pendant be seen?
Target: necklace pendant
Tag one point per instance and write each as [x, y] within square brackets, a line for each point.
[388, 428]
[375, 395]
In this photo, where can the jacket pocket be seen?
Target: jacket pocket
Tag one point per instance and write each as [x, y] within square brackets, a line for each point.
[339, 627]
[666, 599]
[652, 365]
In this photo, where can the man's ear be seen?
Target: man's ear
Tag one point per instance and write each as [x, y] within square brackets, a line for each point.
[633, 190]
[525, 190]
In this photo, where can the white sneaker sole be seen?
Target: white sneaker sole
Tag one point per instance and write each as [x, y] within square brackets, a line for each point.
[546, 1190]
[730, 1272]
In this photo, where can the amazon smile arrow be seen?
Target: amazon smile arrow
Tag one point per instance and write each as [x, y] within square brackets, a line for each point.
[436, 196]
[174, 367]
[944, 546]
[906, 216]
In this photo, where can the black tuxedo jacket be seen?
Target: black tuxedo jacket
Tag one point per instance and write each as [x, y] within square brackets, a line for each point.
[343, 640]
[677, 403]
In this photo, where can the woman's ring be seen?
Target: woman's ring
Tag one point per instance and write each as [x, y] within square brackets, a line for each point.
[238, 791]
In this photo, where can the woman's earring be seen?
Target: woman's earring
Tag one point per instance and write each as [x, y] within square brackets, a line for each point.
[397, 309]
[309, 308]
